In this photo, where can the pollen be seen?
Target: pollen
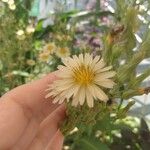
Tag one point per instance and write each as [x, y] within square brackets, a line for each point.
[83, 75]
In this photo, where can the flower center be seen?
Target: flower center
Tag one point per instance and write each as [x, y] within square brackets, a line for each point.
[83, 75]
[63, 50]
[50, 47]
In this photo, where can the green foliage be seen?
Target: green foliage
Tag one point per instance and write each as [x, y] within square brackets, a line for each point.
[138, 80]
[91, 144]
[112, 135]
[131, 140]
[88, 117]
[13, 52]
[124, 72]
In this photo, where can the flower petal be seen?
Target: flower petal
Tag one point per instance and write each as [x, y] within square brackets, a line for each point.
[100, 94]
[72, 91]
[96, 59]
[104, 75]
[104, 69]
[81, 58]
[75, 101]
[89, 99]
[61, 100]
[91, 89]
[88, 59]
[100, 64]
[81, 95]
[107, 83]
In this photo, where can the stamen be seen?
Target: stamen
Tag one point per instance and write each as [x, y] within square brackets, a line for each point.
[83, 75]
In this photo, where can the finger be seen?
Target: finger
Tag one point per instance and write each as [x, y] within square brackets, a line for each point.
[32, 96]
[57, 142]
[48, 129]
[27, 136]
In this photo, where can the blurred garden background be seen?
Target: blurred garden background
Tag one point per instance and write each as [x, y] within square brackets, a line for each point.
[35, 35]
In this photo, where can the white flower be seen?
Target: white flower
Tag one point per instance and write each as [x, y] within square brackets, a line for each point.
[50, 47]
[11, 2]
[12, 6]
[20, 32]
[63, 52]
[81, 80]
[30, 29]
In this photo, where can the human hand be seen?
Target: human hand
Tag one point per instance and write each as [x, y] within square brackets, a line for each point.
[28, 121]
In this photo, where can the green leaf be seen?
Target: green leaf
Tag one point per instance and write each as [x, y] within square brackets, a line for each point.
[92, 144]
[125, 71]
[106, 124]
[138, 80]
[65, 16]
[39, 26]
[122, 112]
[40, 32]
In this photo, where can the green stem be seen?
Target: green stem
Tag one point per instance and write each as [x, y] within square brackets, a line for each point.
[89, 144]
[121, 102]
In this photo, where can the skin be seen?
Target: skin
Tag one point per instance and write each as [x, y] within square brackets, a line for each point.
[28, 121]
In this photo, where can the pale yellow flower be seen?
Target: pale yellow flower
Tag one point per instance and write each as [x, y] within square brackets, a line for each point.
[63, 52]
[63, 37]
[45, 56]
[50, 47]
[30, 29]
[12, 6]
[80, 80]
[30, 62]
[67, 37]
[10, 2]
[20, 34]
[58, 37]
